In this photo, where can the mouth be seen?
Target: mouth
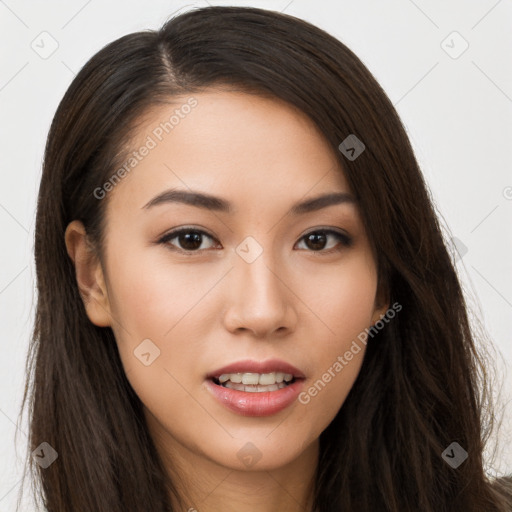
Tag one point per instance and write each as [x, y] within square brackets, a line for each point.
[255, 382]
[252, 388]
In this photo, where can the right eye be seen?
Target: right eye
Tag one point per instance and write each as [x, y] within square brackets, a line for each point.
[187, 240]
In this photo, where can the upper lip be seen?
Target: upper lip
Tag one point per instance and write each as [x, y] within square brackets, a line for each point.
[251, 366]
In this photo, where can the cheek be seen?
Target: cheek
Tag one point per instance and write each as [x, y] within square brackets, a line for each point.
[167, 304]
[342, 299]
[150, 297]
[154, 337]
[344, 303]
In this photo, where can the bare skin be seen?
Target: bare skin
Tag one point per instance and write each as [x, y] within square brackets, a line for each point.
[299, 301]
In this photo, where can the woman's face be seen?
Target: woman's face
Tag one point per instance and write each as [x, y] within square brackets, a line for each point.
[262, 280]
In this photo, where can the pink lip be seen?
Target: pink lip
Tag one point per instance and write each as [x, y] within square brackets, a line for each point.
[249, 366]
[256, 404]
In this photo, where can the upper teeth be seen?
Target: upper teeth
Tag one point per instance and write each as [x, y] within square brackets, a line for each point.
[256, 378]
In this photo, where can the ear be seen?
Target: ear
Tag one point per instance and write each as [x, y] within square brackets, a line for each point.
[381, 302]
[89, 274]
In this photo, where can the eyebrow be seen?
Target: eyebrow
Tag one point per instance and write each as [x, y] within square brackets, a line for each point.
[210, 202]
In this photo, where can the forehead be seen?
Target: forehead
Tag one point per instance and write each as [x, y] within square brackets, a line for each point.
[242, 145]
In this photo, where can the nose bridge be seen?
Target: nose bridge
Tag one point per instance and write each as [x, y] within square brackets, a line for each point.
[257, 278]
[259, 297]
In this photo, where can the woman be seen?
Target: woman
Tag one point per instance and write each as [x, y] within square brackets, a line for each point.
[245, 300]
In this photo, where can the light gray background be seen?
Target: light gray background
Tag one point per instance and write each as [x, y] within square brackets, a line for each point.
[457, 112]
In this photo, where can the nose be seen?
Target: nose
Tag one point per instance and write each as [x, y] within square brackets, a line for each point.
[260, 299]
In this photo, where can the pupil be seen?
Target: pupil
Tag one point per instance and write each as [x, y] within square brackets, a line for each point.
[318, 240]
[191, 240]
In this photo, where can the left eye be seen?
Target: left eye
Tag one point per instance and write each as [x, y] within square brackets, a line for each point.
[191, 240]
[317, 240]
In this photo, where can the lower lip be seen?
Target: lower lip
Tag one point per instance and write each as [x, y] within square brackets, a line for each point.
[263, 403]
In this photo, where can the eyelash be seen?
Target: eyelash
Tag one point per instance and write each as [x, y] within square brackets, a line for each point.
[344, 239]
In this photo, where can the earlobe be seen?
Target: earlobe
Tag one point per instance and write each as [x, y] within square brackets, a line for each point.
[89, 274]
[381, 304]
[379, 314]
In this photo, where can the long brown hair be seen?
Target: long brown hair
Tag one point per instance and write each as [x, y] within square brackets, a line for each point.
[423, 384]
